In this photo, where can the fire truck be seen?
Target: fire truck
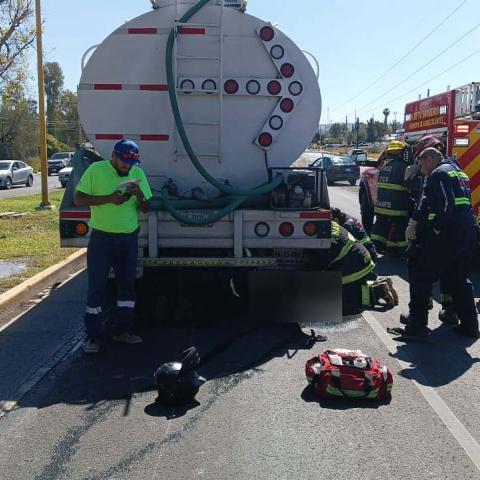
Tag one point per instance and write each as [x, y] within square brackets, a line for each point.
[453, 116]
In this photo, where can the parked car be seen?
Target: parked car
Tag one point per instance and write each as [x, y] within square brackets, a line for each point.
[358, 156]
[64, 174]
[58, 161]
[15, 172]
[338, 168]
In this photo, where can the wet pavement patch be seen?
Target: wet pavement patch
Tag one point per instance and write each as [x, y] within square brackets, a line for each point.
[7, 269]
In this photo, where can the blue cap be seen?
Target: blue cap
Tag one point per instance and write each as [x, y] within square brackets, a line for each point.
[127, 151]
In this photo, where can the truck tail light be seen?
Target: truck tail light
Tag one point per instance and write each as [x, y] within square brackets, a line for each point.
[267, 34]
[286, 105]
[310, 229]
[262, 229]
[274, 87]
[81, 229]
[287, 70]
[231, 87]
[286, 229]
[265, 139]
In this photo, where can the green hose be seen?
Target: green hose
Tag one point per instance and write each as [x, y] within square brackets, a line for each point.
[259, 190]
[214, 217]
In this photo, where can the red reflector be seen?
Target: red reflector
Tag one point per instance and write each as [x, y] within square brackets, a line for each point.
[287, 105]
[287, 70]
[142, 31]
[155, 138]
[274, 87]
[318, 215]
[265, 139]
[107, 86]
[286, 229]
[267, 34]
[66, 214]
[109, 136]
[191, 31]
[154, 88]
[81, 229]
[231, 87]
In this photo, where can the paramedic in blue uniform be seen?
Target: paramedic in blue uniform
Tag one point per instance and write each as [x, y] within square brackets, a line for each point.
[449, 245]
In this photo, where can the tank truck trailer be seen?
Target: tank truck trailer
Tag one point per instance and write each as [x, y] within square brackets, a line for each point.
[221, 104]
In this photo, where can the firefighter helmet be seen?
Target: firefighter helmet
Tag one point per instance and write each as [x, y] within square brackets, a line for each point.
[428, 141]
[396, 146]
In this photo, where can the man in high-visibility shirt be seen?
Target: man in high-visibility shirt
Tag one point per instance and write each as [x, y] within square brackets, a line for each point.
[393, 201]
[448, 249]
[114, 190]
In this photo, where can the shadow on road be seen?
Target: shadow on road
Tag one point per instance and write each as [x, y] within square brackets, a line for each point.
[342, 403]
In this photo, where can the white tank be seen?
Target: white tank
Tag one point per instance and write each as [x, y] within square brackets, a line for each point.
[252, 96]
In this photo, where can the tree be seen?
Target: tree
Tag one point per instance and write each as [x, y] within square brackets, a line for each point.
[53, 90]
[386, 113]
[68, 131]
[17, 34]
[18, 128]
[371, 133]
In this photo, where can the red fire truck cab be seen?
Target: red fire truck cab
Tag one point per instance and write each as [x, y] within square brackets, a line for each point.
[454, 116]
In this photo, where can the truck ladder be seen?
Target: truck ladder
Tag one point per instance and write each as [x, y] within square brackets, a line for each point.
[467, 99]
[218, 92]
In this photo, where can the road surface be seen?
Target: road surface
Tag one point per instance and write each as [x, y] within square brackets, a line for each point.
[94, 417]
[22, 190]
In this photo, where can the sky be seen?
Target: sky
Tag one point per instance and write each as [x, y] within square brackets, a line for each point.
[368, 50]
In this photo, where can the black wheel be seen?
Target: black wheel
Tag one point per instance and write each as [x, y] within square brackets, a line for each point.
[49, 173]
[29, 181]
[367, 213]
[8, 183]
[330, 182]
[352, 182]
[64, 184]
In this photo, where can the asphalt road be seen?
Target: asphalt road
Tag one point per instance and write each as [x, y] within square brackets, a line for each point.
[21, 190]
[95, 418]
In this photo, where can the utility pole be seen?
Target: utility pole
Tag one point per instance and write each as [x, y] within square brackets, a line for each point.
[45, 203]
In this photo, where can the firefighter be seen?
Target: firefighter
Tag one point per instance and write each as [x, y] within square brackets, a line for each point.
[417, 228]
[449, 246]
[392, 205]
[361, 288]
[353, 226]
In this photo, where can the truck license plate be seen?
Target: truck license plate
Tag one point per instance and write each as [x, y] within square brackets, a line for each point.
[197, 215]
[290, 256]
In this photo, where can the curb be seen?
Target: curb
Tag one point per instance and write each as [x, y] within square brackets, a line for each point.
[14, 293]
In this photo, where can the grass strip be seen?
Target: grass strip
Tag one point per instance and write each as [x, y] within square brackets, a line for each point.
[32, 239]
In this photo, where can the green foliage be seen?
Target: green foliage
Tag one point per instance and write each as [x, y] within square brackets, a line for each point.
[18, 128]
[17, 34]
[54, 145]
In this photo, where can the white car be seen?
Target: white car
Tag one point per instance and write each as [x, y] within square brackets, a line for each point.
[64, 175]
[15, 172]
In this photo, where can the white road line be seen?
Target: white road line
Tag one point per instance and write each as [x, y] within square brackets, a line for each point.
[457, 429]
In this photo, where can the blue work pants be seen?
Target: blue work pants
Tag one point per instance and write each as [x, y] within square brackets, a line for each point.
[106, 251]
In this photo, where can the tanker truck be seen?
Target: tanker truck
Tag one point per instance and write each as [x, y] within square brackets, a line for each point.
[221, 104]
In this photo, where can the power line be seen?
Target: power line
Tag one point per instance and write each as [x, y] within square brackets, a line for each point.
[404, 56]
[430, 79]
[422, 67]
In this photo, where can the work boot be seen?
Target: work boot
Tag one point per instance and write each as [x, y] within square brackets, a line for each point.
[383, 289]
[91, 345]
[412, 331]
[468, 332]
[448, 316]
[405, 319]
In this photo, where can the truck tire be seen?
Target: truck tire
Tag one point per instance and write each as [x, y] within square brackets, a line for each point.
[352, 182]
[367, 213]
